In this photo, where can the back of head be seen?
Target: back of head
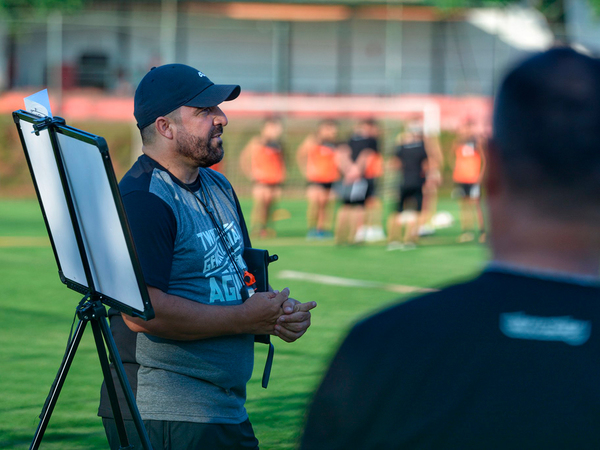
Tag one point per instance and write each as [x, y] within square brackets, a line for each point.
[547, 131]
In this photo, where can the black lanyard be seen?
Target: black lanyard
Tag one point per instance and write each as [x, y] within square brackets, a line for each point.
[218, 224]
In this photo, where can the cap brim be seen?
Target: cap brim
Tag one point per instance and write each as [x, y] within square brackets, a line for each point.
[214, 95]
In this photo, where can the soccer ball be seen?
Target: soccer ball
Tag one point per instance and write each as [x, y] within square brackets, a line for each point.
[442, 219]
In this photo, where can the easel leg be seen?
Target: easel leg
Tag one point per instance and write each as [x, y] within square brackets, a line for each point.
[57, 385]
[110, 386]
[118, 365]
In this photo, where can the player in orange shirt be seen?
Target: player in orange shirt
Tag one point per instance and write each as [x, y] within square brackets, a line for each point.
[469, 167]
[262, 161]
[317, 159]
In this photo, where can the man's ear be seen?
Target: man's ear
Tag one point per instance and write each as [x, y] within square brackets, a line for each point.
[493, 180]
[164, 127]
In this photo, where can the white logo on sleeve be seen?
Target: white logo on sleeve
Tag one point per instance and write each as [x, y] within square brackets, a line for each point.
[200, 74]
[519, 325]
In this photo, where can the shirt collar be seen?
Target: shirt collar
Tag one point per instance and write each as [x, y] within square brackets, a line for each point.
[543, 274]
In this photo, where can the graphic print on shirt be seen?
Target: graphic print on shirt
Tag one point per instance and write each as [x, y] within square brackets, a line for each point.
[224, 279]
[519, 325]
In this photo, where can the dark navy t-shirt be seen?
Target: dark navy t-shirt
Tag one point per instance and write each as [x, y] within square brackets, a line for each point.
[181, 253]
[359, 143]
[412, 156]
[502, 362]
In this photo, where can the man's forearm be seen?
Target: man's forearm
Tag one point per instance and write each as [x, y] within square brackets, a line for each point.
[181, 319]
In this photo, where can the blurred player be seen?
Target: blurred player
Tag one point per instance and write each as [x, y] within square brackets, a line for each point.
[353, 159]
[372, 230]
[411, 159]
[433, 181]
[509, 359]
[318, 161]
[262, 161]
[469, 166]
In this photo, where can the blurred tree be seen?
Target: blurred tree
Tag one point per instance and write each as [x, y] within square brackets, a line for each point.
[14, 11]
[16, 7]
[552, 10]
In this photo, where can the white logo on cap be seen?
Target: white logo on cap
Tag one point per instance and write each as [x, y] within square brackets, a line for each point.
[200, 74]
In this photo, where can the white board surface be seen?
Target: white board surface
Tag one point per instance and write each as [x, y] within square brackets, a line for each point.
[110, 262]
[43, 164]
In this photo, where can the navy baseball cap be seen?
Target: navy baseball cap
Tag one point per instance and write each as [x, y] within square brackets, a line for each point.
[166, 88]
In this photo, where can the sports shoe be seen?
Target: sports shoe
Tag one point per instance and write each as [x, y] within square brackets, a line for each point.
[466, 237]
[375, 234]
[324, 234]
[361, 234]
[312, 234]
[426, 230]
[395, 245]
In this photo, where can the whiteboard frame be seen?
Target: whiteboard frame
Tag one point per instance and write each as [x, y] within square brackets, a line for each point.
[65, 257]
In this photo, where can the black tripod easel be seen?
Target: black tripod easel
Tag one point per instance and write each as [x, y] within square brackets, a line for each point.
[93, 311]
[73, 175]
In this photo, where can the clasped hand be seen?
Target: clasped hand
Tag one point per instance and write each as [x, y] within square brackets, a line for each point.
[277, 314]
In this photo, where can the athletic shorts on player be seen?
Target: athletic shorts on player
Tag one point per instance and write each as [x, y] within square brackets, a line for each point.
[354, 194]
[468, 190]
[412, 196]
[269, 185]
[326, 186]
[371, 187]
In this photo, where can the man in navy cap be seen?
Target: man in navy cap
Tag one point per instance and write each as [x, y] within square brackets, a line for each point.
[189, 366]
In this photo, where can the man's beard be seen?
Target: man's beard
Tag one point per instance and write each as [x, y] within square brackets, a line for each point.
[201, 151]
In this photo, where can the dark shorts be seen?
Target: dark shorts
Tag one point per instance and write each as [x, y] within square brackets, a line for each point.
[269, 185]
[326, 186]
[186, 435]
[468, 190]
[354, 194]
[371, 187]
[413, 194]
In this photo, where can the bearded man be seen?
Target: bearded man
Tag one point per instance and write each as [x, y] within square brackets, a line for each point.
[189, 366]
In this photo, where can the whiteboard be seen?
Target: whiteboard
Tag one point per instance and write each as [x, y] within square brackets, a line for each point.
[39, 152]
[106, 266]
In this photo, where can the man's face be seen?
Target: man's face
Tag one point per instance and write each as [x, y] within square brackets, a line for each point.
[199, 133]
[373, 130]
[328, 132]
[272, 131]
[469, 128]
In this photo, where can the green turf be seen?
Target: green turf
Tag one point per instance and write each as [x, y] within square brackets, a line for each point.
[36, 311]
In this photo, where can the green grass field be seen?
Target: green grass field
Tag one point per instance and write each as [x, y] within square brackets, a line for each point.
[36, 311]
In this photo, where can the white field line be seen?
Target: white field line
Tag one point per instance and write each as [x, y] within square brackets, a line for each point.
[350, 282]
[24, 241]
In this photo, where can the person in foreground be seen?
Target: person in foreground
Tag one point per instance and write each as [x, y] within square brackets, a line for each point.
[509, 359]
[189, 365]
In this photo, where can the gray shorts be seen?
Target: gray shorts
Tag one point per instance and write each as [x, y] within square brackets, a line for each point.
[186, 435]
[468, 190]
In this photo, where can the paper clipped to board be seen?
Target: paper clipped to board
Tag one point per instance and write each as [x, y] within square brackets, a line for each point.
[38, 104]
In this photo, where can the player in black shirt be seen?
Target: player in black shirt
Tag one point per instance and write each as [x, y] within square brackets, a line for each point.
[372, 230]
[508, 360]
[411, 158]
[354, 186]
